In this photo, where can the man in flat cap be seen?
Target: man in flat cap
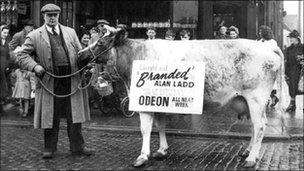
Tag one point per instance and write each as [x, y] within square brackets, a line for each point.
[55, 47]
[102, 25]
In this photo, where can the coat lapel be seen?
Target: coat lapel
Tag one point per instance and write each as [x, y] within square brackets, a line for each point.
[44, 35]
[65, 34]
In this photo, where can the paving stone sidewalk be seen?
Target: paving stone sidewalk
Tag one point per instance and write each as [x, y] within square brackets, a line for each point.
[116, 150]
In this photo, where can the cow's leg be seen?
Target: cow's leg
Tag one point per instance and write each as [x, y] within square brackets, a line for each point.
[246, 152]
[146, 122]
[258, 118]
[160, 122]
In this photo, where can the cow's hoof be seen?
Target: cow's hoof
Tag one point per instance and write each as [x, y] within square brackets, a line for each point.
[244, 154]
[249, 164]
[159, 156]
[139, 162]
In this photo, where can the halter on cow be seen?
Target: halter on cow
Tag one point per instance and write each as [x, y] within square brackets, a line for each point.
[239, 72]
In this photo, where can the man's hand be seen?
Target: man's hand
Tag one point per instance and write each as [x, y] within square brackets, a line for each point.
[39, 70]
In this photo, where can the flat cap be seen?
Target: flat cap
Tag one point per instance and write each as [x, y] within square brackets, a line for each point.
[50, 8]
[28, 22]
[102, 21]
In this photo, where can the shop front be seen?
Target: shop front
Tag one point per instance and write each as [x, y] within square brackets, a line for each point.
[201, 18]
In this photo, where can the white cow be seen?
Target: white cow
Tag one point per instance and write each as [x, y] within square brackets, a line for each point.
[241, 72]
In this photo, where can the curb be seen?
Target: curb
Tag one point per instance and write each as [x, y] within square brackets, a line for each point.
[169, 132]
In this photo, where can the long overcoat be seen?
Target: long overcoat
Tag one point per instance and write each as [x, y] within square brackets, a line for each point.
[293, 67]
[4, 62]
[37, 43]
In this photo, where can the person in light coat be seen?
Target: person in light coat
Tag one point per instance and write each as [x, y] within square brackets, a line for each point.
[55, 49]
[22, 89]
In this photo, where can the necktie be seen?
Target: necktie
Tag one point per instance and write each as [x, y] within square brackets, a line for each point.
[54, 31]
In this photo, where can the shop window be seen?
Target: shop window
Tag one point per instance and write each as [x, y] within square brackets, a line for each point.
[14, 13]
[185, 16]
[226, 14]
[136, 14]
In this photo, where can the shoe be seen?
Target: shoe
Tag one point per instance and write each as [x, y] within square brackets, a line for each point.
[291, 108]
[24, 115]
[84, 151]
[48, 155]
[21, 111]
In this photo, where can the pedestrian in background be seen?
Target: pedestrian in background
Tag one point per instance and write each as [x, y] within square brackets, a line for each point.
[19, 38]
[57, 53]
[102, 25]
[23, 88]
[17, 41]
[222, 33]
[4, 62]
[170, 35]
[293, 57]
[151, 33]
[94, 32]
[185, 35]
[94, 35]
[84, 38]
[233, 32]
[101, 29]
[266, 37]
[123, 27]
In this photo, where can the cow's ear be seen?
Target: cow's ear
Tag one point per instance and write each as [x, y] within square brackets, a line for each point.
[119, 37]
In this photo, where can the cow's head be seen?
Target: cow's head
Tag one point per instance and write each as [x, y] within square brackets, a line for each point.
[99, 50]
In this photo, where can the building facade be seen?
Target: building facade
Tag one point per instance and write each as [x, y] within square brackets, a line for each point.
[201, 18]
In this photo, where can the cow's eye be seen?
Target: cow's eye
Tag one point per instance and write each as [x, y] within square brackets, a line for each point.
[99, 43]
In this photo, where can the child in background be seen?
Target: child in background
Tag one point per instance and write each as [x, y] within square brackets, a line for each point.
[170, 35]
[185, 35]
[151, 33]
[23, 88]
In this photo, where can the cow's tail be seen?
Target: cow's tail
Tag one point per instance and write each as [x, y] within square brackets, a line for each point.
[282, 87]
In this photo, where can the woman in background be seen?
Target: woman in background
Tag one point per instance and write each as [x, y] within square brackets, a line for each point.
[4, 61]
[170, 35]
[185, 35]
[293, 58]
[233, 32]
[84, 39]
[222, 33]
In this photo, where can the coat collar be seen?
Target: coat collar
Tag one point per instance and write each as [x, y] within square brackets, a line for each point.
[44, 34]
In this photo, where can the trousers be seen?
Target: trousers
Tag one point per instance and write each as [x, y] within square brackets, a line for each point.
[62, 109]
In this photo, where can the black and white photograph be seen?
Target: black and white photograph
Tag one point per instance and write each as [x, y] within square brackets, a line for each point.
[151, 85]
